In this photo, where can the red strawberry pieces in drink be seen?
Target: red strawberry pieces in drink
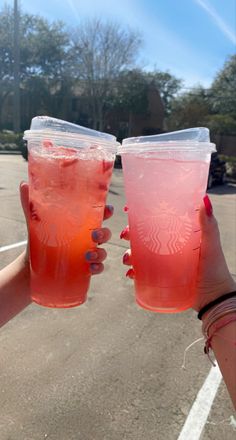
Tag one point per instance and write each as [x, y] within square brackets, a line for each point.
[67, 151]
[107, 165]
[69, 162]
[47, 144]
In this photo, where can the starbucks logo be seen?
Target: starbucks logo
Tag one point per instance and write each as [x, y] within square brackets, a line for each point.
[165, 232]
[55, 234]
[52, 229]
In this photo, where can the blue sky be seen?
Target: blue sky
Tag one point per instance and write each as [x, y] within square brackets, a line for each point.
[190, 38]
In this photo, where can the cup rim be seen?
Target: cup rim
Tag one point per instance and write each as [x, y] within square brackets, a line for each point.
[149, 147]
[69, 140]
[57, 130]
[190, 139]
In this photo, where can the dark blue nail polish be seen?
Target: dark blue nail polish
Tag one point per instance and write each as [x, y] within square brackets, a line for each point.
[88, 256]
[94, 267]
[110, 208]
[95, 235]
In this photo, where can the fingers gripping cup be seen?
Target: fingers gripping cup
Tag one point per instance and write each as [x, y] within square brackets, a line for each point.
[70, 168]
[165, 180]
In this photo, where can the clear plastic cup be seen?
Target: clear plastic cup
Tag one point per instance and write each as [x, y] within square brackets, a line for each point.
[70, 168]
[165, 181]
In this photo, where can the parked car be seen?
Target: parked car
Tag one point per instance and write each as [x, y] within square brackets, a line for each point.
[217, 171]
[24, 150]
[118, 163]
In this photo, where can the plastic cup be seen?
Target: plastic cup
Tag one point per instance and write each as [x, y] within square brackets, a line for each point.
[69, 170]
[165, 180]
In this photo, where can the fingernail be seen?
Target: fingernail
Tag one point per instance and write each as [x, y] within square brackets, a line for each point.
[97, 235]
[110, 208]
[208, 206]
[125, 258]
[94, 267]
[124, 232]
[130, 274]
[126, 208]
[91, 256]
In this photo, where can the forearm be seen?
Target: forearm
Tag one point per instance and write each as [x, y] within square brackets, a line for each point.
[224, 346]
[14, 289]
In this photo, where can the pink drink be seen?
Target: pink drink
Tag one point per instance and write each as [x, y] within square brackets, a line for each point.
[164, 190]
[67, 199]
[68, 190]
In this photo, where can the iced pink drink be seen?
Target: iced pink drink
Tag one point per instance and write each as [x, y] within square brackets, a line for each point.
[163, 197]
[68, 189]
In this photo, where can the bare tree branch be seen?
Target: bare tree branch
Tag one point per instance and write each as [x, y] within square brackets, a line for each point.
[103, 50]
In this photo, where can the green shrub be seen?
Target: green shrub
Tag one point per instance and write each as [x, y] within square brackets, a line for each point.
[230, 162]
[10, 141]
[229, 159]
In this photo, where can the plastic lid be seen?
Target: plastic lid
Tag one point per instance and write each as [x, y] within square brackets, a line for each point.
[45, 127]
[189, 139]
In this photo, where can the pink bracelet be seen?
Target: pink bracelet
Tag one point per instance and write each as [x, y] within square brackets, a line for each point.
[213, 330]
[216, 313]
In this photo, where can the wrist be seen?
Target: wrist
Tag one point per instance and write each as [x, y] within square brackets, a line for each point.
[220, 322]
[15, 292]
[216, 316]
[210, 294]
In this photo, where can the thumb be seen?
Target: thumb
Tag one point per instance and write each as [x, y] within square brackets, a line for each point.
[214, 278]
[208, 222]
[24, 197]
[210, 235]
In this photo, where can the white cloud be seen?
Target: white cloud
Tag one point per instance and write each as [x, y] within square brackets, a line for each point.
[225, 29]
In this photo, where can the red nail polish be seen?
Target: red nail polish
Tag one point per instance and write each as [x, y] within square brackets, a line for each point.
[130, 274]
[124, 232]
[126, 208]
[125, 258]
[208, 206]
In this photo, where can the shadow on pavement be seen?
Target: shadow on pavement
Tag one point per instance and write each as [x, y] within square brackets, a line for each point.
[114, 192]
[228, 188]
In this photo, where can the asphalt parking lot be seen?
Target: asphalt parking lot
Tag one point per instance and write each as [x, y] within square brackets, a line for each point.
[107, 370]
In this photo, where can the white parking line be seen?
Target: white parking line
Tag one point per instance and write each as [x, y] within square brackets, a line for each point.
[199, 412]
[12, 246]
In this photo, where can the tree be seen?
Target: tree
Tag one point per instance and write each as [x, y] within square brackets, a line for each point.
[221, 124]
[214, 108]
[6, 56]
[222, 98]
[102, 52]
[189, 110]
[133, 87]
[130, 95]
[223, 89]
[167, 85]
[45, 64]
[132, 91]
